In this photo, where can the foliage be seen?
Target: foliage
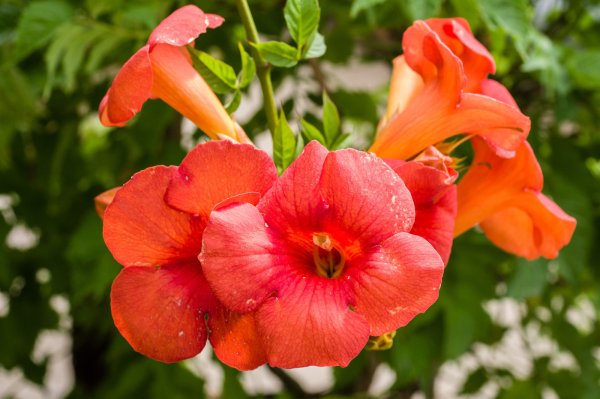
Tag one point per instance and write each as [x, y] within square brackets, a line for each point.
[57, 59]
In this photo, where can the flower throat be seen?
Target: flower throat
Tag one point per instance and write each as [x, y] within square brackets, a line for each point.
[329, 261]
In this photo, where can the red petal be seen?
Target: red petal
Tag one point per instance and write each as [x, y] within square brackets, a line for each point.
[476, 59]
[311, 324]
[492, 182]
[235, 339]
[103, 200]
[160, 311]
[295, 194]
[396, 281]
[364, 198]
[129, 91]
[533, 226]
[435, 201]
[140, 229]
[449, 111]
[183, 26]
[240, 258]
[217, 170]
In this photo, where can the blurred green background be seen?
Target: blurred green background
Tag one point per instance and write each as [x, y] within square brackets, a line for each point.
[503, 327]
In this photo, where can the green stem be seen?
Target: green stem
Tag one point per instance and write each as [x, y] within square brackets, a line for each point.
[263, 69]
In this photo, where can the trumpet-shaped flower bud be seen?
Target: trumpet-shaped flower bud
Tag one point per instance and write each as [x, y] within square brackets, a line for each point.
[163, 69]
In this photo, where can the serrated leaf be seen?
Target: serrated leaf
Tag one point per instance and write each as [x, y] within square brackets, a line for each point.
[220, 76]
[248, 68]
[316, 48]
[38, 24]
[331, 119]
[75, 53]
[56, 51]
[302, 19]
[362, 5]
[278, 53]
[284, 144]
[233, 104]
[312, 133]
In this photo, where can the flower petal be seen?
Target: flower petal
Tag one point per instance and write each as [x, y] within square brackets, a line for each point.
[217, 170]
[129, 91]
[311, 324]
[491, 182]
[140, 229]
[396, 281]
[160, 311]
[240, 258]
[294, 196]
[405, 85]
[365, 199]
[183, 26]
[103, 200]
[235, 339]
[178, 84]
[434, 195]
[450, 110]
[476, 59]
[534, 226]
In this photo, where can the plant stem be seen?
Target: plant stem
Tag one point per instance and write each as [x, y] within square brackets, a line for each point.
[263, 69]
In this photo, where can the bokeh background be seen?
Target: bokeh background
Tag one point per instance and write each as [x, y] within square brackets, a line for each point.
[503, 327]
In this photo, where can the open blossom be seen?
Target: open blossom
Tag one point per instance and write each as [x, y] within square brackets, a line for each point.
[445, 71]
[324, 260]
[163, 69]
[154, 227]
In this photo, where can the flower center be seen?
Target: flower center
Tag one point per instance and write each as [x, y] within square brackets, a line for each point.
[329, 260]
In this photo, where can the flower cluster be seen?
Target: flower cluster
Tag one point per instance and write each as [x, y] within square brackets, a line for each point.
[303, 268]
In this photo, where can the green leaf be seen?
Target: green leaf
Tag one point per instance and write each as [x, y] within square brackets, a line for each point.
[38, 24]
[361, 5]
[316, 48]
[312, 133]
[278, 53]
[220, 77]
[248, 68]
[68, 51]
[529, 280]
[284, 144]
[234, 103]
[423, 9]
[331, 119]
[341, 141]
[584, 67]
[513, 16]
[302, 19]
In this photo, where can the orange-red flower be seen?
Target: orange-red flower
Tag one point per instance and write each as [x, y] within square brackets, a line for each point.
[154, 228]
[162, 69]
[430, 101]
[325, 258]
[440, 88]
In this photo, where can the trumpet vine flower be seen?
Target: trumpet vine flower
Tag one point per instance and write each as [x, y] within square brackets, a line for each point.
[154, 228]
[163, 69]
[324, 260]
[444, 70]
[429, 99]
